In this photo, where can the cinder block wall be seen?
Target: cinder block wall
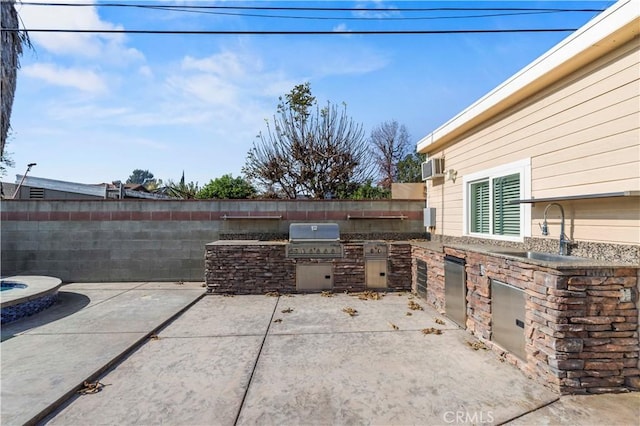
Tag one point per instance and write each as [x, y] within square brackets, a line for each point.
[143, 240]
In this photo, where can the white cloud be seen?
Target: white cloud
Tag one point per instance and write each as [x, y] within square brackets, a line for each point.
[224, 64]
[145, 71]
[106, 46]
[81, 79]
[340, 28]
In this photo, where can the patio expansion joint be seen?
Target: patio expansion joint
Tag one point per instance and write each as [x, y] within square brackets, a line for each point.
[255, 364]
[312, 333]
[212, 336]
[506, 422]
[114, 362]
[120, 293]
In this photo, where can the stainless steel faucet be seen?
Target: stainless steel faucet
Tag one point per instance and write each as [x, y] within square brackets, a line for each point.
[564, 241]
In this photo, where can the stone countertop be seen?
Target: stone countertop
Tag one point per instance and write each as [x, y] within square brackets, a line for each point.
[429, 245]
[246, 243]
[284, 242]
[571, 262]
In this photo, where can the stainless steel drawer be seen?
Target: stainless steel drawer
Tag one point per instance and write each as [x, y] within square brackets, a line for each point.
[314, 277]
[507, 317]
[375, 273]
[455, 290]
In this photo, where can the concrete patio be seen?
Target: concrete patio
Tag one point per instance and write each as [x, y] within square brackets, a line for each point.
[284, 360]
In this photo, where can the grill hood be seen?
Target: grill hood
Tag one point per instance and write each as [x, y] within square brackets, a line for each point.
[314, 232]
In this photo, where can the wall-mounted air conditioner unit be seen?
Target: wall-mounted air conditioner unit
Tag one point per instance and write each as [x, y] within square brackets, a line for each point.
[433, 167]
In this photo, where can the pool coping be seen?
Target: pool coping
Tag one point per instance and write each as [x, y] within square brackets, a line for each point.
[37, 287]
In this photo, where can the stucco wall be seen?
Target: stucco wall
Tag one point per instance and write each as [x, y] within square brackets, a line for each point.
[139, 240]
[582, 137]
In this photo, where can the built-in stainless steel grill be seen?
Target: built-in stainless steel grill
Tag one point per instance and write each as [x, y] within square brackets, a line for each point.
[314, 240]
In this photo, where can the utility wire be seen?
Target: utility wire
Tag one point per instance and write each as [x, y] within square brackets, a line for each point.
[196, 32]
[346, 18]
[347, 9]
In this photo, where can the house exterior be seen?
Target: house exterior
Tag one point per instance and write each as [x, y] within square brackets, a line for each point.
[565, 130]
[558, 142]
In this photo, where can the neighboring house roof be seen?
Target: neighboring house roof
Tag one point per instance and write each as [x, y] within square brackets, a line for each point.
[134, 187]
[607, 31]
[100, 190]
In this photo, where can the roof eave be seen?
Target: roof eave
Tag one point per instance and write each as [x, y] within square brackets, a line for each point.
[607, 31]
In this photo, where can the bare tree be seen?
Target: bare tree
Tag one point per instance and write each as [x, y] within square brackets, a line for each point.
[390, 144]
[311, 151]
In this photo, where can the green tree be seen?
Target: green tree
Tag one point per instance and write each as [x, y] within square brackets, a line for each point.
[367, 191]
[227, 187]
[310, 151]
[183, 190]
[141, 177]
[410, 168]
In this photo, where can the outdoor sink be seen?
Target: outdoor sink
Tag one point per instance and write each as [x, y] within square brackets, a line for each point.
[546, 257]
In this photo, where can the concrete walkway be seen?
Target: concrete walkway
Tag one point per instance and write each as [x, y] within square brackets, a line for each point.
[285, 361]
[46, 357]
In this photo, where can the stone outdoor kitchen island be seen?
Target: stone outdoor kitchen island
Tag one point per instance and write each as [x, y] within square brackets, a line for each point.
[580, 320]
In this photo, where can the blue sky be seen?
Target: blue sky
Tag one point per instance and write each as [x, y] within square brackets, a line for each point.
[92, 108]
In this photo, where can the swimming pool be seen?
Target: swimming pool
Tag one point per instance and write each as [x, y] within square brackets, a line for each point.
[10, 285]
[24, 295]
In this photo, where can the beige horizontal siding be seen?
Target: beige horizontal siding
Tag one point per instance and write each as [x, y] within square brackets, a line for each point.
[571, 130]
[618, 144]
[582, 136]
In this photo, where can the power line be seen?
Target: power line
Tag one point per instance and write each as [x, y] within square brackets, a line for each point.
[347, 18]
[306, 8]
[358, 32]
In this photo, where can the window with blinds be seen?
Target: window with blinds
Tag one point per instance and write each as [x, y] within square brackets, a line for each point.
[491, 211]
[506, 216]
[480, 207]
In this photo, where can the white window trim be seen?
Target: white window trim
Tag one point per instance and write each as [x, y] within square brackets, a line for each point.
[524, 168]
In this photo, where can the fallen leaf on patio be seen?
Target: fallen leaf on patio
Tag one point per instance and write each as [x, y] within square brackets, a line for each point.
[395, 327]
[89, 387]
[277, 320]
[203, 285]
[154, 337]
[439, 321]
[352, 312]
[272, 294]
[477, 345]
[287, 311]
[370, 295]
[227, 295]
[180, 283]
[326, 294]
[414, 306]
[431, 330]
[408, 314]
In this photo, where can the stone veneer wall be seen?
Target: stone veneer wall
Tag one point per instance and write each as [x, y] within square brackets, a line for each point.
[435, 274]
[580, 338]
[248, 267]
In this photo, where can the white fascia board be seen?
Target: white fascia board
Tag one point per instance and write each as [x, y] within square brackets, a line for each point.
[605, 24]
